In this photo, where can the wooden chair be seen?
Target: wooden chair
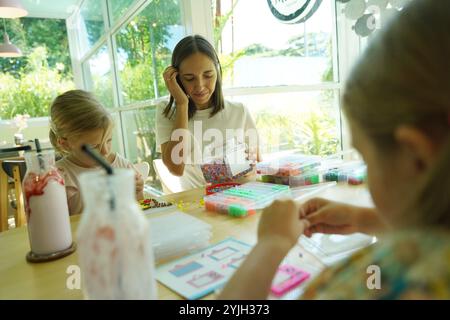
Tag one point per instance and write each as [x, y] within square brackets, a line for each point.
[143, 168]
[14, 169]
[170, 183]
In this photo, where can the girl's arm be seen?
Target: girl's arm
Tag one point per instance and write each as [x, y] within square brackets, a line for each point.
[278, 231]
[326, 216]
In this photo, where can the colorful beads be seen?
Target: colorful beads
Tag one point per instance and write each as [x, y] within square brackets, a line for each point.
[353, 176]
[146, 204]
[219, 172]
[244, 200]
[220, 187]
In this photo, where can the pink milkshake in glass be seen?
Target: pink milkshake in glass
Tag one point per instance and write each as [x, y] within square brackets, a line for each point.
[46, 207]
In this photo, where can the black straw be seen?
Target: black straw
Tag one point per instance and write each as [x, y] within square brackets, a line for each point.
[109, 170]
[97, 157]
[38, 145]
[39, 154]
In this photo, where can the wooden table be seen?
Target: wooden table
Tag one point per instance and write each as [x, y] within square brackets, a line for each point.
[22, 280]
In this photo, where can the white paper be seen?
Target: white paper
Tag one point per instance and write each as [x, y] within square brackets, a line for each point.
[204, 272]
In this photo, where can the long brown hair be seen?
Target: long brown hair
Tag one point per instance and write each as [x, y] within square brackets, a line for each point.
[403, 78]
[185, 48]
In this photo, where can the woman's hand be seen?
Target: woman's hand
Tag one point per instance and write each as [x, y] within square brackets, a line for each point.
[170, 78]
[332, 217]
[252, 156]
[281, 223]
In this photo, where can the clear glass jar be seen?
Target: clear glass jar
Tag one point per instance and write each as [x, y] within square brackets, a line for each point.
[115, 251]
[46, 207]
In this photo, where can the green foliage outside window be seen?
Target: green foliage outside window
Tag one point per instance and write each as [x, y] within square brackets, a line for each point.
[32, 89]
[30, 83]
[143, 44]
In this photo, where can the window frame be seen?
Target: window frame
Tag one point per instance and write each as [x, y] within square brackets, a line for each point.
[108, 38]
[346, 45]
[342, 30]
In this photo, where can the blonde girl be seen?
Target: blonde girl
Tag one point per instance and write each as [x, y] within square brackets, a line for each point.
[77, 118]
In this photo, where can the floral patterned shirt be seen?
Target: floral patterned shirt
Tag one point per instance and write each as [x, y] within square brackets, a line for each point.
[411, 265]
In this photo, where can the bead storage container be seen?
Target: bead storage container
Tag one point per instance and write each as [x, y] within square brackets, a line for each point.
[225, 163]
[352, 173]
[244, 200]
[310, 177]
[290, 165]
[293, 170]
[176, 234]
[307, 178]
[214, 188]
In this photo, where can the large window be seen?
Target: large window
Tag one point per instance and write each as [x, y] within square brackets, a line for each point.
[92, 25]
[97, 76]
[124, 46]
[144, 47]
[285, 73]
[139, 129]
[260, 50]
[118, 8]
[306, 122]
[30, 83]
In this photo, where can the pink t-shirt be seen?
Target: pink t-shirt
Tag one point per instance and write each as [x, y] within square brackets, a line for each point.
[71, 171]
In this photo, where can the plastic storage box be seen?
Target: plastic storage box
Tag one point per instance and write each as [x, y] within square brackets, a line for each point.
[244, 200]
[176, 234]
[293, 170]
[311, 177]
[292, 165]
[352, 174]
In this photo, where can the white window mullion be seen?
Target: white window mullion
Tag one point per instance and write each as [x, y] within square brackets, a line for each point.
[280, 89]
[348, 44]
[197, 18]
[74, 49]
[349, 51]
[335, 45]
[111, 44]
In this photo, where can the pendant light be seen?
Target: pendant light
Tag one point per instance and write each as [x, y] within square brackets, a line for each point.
[12, 9]
[7, 49]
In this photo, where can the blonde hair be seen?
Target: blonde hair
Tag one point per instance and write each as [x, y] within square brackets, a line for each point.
[76, 112]
[403, 78]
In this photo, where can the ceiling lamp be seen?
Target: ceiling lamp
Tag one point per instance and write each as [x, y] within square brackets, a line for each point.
[12, 9]
[7, 49]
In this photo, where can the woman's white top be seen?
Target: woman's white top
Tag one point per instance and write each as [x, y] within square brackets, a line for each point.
[234, 121]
